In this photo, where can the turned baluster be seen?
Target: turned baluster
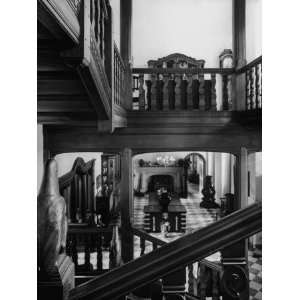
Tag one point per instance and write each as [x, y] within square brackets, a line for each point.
[257, 80]
[225, 92]
[189, 91]
[260, 85]
[177, 91]
[154, 246]
[201, 92]
[183, 89]
[248, 103]
[159, 93]
[87, 252]
[154, 91]
[203, 281]
[148, 94]
[229, 89]
[99, 251]
[74, 253]
[165, 97]
[141, 92]
[252, 95]
[215, 285]
[191, 279]
[142, 246]
[213, 103]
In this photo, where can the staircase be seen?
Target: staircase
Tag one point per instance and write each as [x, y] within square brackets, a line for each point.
[175, 256]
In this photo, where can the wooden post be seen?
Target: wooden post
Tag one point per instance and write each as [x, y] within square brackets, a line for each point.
[126, 204]
[201, 92]
[235, 257]
[239, 52]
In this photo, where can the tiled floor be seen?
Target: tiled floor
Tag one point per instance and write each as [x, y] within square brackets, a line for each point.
[198, 218]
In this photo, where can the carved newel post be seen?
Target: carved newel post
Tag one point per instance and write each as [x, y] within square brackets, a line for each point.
[55, 268]
[208, 192]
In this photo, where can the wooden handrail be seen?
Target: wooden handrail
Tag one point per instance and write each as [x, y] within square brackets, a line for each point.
[172, 256]
[183, 71]
[86, 229]
[147, 237]
[250, 65]
[116, 49]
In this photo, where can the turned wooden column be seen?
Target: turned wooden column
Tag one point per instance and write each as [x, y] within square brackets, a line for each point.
[126, 205]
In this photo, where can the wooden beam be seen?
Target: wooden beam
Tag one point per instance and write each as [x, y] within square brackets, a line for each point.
[63, 106]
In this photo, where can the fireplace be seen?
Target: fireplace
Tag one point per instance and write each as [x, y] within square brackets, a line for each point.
[146, 177]
[158, 181]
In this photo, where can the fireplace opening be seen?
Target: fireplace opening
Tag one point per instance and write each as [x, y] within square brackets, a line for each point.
[158, 181]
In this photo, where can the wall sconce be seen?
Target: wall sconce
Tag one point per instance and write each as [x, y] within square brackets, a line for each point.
[226, 59]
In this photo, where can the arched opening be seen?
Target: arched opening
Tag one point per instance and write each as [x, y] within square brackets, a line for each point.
[195, 173]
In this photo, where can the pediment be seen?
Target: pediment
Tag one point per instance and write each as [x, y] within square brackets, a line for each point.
[176, 60]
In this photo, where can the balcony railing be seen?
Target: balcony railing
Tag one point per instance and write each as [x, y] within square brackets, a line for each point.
[253, 73]
[202, 89]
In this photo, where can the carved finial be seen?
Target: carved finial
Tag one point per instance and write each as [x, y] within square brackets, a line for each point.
[52, 220]
[49, 184]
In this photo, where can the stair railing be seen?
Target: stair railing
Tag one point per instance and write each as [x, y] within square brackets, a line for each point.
[173, 256]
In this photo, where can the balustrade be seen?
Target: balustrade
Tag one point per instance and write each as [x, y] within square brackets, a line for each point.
[92, 249]
[119, 77]
[162, 89]
[253, 87]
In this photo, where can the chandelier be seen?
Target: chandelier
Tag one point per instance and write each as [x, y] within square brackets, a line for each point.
[165, 160]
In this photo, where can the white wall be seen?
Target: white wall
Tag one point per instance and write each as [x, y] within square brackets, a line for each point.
[198, 28]
[40, 156]
[253, 29]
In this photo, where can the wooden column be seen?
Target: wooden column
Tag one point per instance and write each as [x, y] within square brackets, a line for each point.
[239, 52]
[126, 204]
[125, 45]
[239, 32]
[235, 257]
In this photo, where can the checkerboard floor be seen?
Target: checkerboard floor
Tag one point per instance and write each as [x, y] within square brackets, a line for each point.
[197, 218]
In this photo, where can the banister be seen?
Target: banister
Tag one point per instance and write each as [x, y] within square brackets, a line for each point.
[172, 256]
[147, 236]
[116, 49]
[225, 71]
[250, 65]
[152, 239]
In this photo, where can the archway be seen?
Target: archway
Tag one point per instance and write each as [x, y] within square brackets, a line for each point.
[195, 172]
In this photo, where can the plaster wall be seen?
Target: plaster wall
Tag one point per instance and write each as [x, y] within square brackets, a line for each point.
[253, 29]
[201, 29]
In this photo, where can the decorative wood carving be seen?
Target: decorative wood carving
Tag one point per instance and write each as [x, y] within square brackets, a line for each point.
[178, 91]
[225, 92]
[201, 92]
[213, 104]
[190, 91]
[176, 60]
[165, 102]
[154, 91]
[52, 220]
[141, 92]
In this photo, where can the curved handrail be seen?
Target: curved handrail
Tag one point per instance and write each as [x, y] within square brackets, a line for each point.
[250, 65]
[172, 256]
[79, 166]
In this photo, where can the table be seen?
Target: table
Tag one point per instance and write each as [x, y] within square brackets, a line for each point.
[153, 215]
